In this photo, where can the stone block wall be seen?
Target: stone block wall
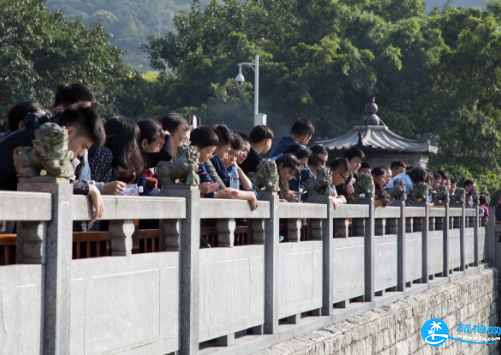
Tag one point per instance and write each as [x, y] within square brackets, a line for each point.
[395, 329]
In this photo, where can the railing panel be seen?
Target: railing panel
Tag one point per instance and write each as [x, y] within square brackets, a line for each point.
[481, 243]
[25, 206]
[454, 249]
[469, 245]
[20, 309]
[386, 262]
[213, 207]
[413, 256]
[302, 210]
[435, 252]
[130, 207]
[300, 277]
[231, 290]
[349, 211]
[121, 303]
[349, 268]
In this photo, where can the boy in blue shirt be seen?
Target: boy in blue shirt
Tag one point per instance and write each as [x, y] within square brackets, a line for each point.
[301, 132]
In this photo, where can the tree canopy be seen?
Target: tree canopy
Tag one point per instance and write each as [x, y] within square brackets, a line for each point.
[321, 59]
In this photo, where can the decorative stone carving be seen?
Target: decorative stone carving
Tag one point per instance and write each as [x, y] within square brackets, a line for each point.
[316, 229]
[266, 176]
[398, 190]
[185, 167]
[474, 196]
[121, 237]
[294, 229]
[441, 195]
[258, 231]
[459, 196]
[321, 183]
[226, 232]
[364, 185]
[171, 232]
[49, 152]
[421, 193]
[33, 234]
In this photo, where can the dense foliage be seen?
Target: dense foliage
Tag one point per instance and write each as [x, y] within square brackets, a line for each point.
[434, 73]
[40, 50]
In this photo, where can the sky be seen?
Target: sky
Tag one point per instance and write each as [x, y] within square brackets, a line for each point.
[430, 4]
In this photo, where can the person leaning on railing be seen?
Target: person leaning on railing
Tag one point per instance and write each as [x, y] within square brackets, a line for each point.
[85, 129]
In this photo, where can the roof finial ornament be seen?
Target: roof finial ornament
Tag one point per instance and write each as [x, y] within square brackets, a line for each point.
[371, 109]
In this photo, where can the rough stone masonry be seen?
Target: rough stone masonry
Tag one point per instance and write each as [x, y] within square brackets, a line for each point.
[396, 328]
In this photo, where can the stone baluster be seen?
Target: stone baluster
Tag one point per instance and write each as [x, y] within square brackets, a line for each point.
[446, 229]
[121, 237]
[33, 235]
[457, 222]
[226, 232]
[418, 224]
[426, 226]
[316, 229]
[342, 226]
[392, 226]
[359, 227]
[257, 231]
[431, 224]
[461, 222]
[439, 223]
[409, 225]
[401, 246]
[170, 234]
[294, 229]
[380, 226]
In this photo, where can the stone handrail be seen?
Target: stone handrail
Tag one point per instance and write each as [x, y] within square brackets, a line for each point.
[354, 258]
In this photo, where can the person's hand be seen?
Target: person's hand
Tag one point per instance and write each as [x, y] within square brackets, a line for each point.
[225, 194]
[350, 189]
[253, 204]
[152, 182]
[293, 196]
[97, 202]
[208, 187]
[334, 203]
[114, 188]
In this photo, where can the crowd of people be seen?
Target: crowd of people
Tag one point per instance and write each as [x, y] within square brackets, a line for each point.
[121, 151]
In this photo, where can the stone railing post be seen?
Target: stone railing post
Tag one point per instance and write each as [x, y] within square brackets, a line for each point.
[461, 238]
[327, 232]
[271, 282]
[58, 255]
[490, 239]
[446, 228]
[424, 241]
[401, 247]
[370, 250]
[189, 265]
[476, 226]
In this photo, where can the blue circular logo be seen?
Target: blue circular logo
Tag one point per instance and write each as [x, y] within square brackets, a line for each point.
[435, 332]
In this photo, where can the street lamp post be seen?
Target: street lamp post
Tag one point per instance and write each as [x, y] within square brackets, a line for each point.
[259, 118]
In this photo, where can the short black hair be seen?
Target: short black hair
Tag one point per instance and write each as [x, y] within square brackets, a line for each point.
[482, 199]
[399, 163]
[18, 112]
[302, 127]
[318, 149]
[437, 175]
[86, 122]
[172, 121]
[453, 181]
[382, 195]
[377, 171]
[468, 182]
[150, 130]
[443, 174]
[238, 142]
[418, 175]
[365, 165]
[288, 161]
[341, 165]
[224, 134]
[260, 133]
[410, 168]
[69, 94]
[203, 137]
[315, 162]
[300, 151]
[245, 137]
[354, 152]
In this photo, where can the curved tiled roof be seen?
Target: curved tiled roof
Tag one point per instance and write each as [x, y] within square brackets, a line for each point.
[381, 138]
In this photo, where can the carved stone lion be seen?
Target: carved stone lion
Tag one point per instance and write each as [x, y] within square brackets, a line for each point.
[364, 185]
[421, 193]
[321, 183]
[398, 190]
[185, 167]
[50, 153]
[474, 196]
[459, 196]
[441, 195]
[266, 176]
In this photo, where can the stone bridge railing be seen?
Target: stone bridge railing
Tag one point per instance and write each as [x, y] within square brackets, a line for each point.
[228, 299]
